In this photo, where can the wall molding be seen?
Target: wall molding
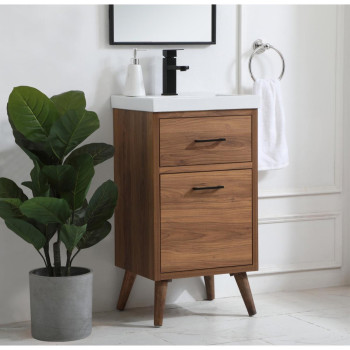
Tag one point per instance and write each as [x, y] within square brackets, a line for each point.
[336, 217]
[306, 191]
[336, 186]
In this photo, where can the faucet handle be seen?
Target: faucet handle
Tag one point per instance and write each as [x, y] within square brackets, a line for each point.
[170, 52]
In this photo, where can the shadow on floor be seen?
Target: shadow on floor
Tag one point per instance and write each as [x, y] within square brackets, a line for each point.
[130, 318]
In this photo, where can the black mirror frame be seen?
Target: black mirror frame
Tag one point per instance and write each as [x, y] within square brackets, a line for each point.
[113, 42]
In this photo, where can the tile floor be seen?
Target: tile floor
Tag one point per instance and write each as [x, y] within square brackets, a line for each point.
[316, 316]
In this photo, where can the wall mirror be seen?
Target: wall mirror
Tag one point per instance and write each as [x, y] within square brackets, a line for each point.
[162, 24]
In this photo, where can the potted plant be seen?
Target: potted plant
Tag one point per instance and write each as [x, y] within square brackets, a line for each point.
[58, 215]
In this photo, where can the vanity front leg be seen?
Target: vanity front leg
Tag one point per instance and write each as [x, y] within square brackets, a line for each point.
[244, 288]
[128, 282]
[210, 287]
[160, 289]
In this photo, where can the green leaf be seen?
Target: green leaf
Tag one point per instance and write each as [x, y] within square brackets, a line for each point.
[31, 112]
[40, 185]
[71, 235]
[70, 100]
[9, 189]
[9, 208]
[26, 145]
[50, 230]
[102, 204]
[26, 231]
[92, 237]
[60, 177]
[47, 230]
[99, 152]
[72, 129]
[31, 155]
[84, 172]
[37, 151]
[46, 210]
[28, 184]
[79, 215]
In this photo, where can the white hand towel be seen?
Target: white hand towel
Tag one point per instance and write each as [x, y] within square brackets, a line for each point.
[272, 143]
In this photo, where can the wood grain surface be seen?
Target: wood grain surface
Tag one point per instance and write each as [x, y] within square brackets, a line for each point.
[128, 282]
[160, 289]
[244, 287]
[206, 228]
[178, 146]
[210, 287]
[136, 174]
[138, 214]
[204, 114]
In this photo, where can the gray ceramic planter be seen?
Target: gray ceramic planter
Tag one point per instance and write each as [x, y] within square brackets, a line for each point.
[61, 307]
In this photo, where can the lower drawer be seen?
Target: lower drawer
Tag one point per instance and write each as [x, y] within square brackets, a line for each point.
[206, 228]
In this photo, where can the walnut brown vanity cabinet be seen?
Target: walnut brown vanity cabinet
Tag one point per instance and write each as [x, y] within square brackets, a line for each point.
[187, 198]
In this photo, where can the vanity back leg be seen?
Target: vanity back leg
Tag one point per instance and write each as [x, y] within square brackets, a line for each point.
[244, 288]
[160, 289]
[128, 282]
[210, 287]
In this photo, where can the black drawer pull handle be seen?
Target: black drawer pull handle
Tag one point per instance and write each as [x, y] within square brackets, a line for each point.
[207, 188]
[212, 140]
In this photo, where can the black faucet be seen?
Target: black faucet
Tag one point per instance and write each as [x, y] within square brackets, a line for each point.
[169, 71]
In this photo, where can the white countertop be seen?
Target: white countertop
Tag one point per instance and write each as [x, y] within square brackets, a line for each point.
[185, 102]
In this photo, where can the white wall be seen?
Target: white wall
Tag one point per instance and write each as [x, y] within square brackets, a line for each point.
[346, 139]
[301, 221]
[58, 48]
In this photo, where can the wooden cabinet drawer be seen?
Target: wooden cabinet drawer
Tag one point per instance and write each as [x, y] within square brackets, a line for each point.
[209, 228]
[178, 145]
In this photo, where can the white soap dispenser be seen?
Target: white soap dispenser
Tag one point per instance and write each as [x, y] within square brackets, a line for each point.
[134, 80]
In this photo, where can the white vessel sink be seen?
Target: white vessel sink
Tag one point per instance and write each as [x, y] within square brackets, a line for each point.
[202, 102]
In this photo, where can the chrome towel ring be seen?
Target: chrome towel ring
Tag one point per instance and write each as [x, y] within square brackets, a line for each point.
[259, 47]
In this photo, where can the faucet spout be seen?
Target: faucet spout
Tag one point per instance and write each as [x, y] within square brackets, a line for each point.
[180, 68]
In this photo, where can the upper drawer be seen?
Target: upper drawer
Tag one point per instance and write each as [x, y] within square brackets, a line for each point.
[206, 140]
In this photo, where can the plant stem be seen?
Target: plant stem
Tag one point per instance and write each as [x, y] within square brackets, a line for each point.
[57, 255]
[68, 263]
[48, 260]
[42, 257]
[71, 261]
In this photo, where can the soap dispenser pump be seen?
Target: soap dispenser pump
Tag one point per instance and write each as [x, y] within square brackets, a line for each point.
[134, 85]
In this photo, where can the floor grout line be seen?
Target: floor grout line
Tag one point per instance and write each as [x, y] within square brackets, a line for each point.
[313, 324]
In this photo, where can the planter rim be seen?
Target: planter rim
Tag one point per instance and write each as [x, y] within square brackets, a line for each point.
[88, 272]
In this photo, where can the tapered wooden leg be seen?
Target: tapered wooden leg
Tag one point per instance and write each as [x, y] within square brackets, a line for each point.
[128, 282]
[160, 289]
[210, 287]
[244, 288]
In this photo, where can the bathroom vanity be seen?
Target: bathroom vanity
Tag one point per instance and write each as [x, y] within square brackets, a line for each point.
[186, 169]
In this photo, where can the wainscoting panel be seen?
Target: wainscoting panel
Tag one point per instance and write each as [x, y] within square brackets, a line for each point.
[300, 242]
